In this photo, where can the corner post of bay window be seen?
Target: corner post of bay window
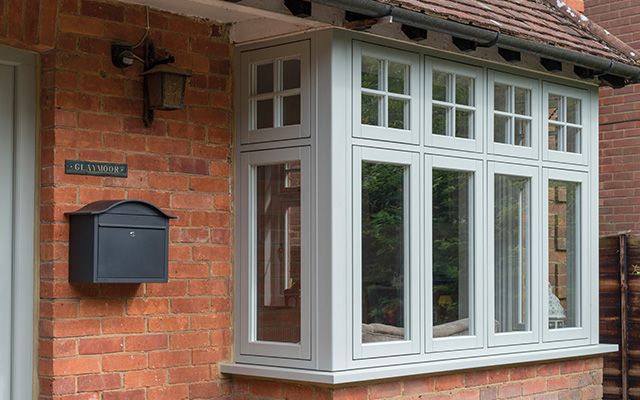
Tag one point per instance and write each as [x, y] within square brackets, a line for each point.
[593, 159]
[332, 172]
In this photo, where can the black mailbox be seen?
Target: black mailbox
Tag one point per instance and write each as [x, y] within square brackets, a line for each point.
[124, 241]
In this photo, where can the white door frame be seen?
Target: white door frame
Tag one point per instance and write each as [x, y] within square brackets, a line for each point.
[20, 216]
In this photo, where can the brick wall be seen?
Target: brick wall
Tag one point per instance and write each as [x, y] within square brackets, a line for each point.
[619, 126]
[577, 379]
[151, 341]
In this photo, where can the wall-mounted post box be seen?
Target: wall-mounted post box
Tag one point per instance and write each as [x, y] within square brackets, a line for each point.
[125, 241]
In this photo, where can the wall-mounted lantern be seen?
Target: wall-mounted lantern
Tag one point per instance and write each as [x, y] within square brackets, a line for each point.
[164, 84]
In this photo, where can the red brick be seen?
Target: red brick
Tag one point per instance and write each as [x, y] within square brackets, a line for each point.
[75, 366]
[178, 341]
[94, 383]
[163, 359]
[123, 325]
[144, 306]
[135, 379]
[188, 374]
[146, 342]
[101, 345]
[124, 362]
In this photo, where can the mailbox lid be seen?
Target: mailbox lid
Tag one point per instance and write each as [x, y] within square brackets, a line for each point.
[128, 207]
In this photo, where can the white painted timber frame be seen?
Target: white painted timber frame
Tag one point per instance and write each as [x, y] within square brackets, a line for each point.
[455, 69]
[477, 285]
[336, 142]
[249, 287]
[584, 230]
[248, 132]
[586, 134]
[386, 54]
[412, 320]
[18, 179]
[514, 81]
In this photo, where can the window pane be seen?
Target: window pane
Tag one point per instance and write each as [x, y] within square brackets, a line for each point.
[290, 74]
[291, 110]
[555, 107]
[440, 122]
[440, 85]
[564, 254]
[464, 90]
[501, 129]
[264, 114]
[522, 101]
[278, 254]
[573, 111]
[452, 253]
[555, 136]
[512, 253]
[501, 97]
[264, 78]
[522, 132]
[398, 80]
[464, 124]
[398, 113]
[371, 109]
[573, 139]
[384, 221]
[371, 73]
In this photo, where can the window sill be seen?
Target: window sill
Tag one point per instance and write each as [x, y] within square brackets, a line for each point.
[395, 371]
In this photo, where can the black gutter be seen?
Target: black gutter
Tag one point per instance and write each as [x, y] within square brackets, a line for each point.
[600, 65]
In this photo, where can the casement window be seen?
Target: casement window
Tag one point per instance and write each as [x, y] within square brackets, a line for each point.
[566, 136]
[385, 93]
[436, 215]
[455, 110]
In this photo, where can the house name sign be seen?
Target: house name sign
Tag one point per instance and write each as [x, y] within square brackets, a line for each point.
[79, 167]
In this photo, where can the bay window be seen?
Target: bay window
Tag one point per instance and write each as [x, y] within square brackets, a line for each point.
[398, 208]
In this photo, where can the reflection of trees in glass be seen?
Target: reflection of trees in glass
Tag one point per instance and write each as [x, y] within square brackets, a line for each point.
[383, 243]
[450, 245]
[512, 232]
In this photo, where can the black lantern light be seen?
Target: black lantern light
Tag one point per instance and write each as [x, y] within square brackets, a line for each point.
[164, 84]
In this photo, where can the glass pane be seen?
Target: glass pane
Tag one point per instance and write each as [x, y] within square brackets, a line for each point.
[512, 253]
[555, 136]
[441, 83]
[384, 220]
[564, 254]
[371, 73]
[290, 74]
[371, 109]
[522, 101]
[440, 120]
[264, 78]
[398, 113]
[573, 111]
[501, 129]
[398, 80]
[464, 90]
[555, 107]
[264, 114]
[278, 255]
[291, 110]
[522, 133]
[452, 253]
[464, 124]
[501, 97]
[573, 140]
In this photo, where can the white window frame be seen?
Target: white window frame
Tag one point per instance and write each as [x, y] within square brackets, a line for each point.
[511, 150]
[277, 54]
[412, 234]
[585, 134]
[384, 133]
[581, 332]
[249, 345]
[474, 167]
[533, 335]
[456, 69]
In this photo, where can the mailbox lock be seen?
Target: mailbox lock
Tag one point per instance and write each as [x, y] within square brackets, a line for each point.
[132, 234]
